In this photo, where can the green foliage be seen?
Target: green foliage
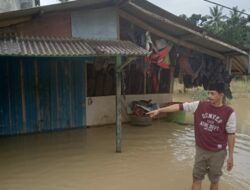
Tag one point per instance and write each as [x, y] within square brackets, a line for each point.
[195, 19]
[216, 17]
[199, 94]
[234, 28]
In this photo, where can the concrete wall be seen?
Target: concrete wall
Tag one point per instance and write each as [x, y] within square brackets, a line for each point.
[95, 24]
[102, 110]
[8, 5]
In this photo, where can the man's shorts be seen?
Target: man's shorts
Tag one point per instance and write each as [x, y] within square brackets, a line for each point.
[207, 162]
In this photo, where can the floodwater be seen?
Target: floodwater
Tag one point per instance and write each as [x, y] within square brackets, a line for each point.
[156, 157]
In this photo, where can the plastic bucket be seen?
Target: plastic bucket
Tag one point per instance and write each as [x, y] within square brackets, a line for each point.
[178, 117]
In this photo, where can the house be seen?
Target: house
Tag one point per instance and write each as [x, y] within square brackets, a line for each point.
[59, 62]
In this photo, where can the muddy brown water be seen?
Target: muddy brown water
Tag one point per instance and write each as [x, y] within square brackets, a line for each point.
[157, 157]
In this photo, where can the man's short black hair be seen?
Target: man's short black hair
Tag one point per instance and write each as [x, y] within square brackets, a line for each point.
[217, 86]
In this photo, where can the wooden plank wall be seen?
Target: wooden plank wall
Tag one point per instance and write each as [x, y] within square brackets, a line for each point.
[41, 95]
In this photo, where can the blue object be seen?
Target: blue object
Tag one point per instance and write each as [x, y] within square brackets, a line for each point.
[149, 107]
[42, 95]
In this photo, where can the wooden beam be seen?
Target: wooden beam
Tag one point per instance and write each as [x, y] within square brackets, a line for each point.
[249, 62]
[9, 22]
[187, 37]
[130, 59]
[202, 35]
[236, 66]
[118, 105]
[242, 68]
[168, 37]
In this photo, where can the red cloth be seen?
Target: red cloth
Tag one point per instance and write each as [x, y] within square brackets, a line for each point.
[160, 58]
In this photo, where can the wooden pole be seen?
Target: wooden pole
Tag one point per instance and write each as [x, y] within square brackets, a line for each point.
[118, 105]
[249, 63]
[228, 64]
[24, 115]
[171, 88]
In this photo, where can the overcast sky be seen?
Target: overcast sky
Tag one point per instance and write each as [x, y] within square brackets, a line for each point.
[188, 7]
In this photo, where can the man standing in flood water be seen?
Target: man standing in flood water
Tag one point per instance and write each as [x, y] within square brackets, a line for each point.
[215, 127]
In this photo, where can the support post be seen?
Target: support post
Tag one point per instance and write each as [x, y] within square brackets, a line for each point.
[171, 88]
[118, 105]
[24, 115]
[229, 64]
[249, 62]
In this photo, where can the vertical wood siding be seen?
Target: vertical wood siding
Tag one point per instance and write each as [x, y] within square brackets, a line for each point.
[44, 95]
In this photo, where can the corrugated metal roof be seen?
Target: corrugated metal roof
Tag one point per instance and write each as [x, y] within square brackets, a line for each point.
[158, 18]
[88, 4]
[178, 27]
[54, 46]
[178, 30]
[194, 35]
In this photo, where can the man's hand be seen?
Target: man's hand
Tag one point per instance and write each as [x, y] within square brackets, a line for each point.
[230, 164]
[153, 114]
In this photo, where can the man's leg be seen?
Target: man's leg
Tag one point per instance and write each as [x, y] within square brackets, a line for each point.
[196, 184]
[200, 168]
[215, 168]
[214, 186]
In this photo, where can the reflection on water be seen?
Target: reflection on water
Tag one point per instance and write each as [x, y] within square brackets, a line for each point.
[156, 157]
[242, 162]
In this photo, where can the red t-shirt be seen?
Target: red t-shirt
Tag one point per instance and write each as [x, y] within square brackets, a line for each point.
[210, 125]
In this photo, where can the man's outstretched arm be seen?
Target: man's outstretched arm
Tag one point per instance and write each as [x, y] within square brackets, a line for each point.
[172, 108]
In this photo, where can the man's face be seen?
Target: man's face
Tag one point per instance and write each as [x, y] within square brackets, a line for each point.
[215, 97]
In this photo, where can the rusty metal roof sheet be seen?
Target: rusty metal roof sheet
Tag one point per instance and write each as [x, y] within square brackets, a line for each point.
[178, 27]
[54, 46]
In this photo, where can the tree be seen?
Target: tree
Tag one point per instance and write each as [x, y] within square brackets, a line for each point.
[237, 28]
[234, 29]
[236, 13]
[195, 19]
[215, 20]
[216, 16]
[183, 16]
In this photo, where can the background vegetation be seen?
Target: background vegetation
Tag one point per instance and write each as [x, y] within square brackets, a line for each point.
[234, 28]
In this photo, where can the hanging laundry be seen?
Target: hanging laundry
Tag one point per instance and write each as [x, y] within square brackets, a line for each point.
[200, 70]
[160, 58]
[149, 43]
[184, 65]
[153, 79]
[186, 70]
